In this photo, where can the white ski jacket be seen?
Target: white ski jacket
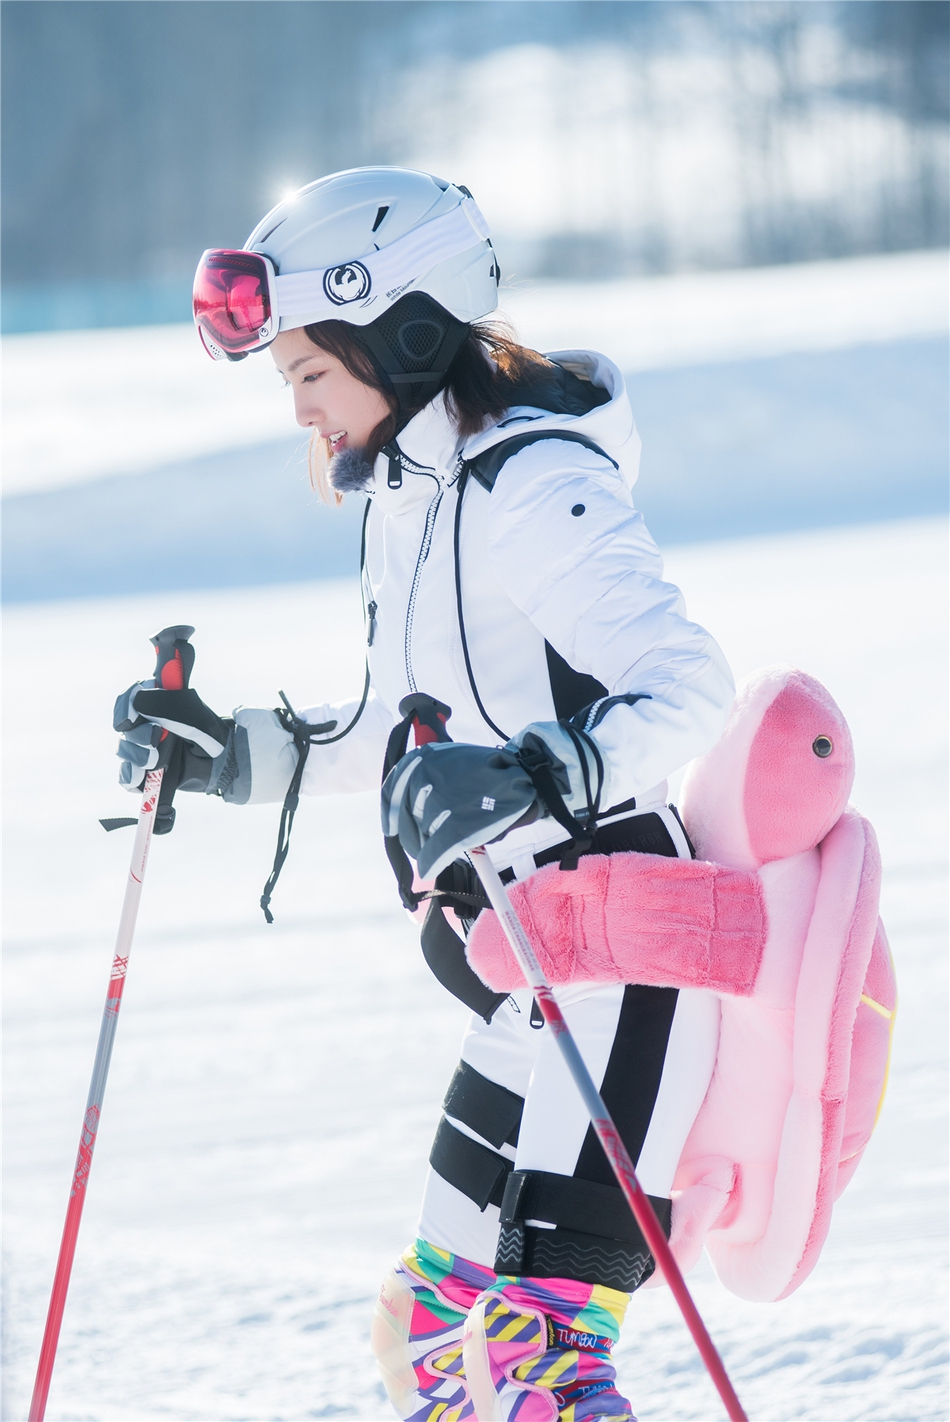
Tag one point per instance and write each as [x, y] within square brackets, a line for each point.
[555, 552]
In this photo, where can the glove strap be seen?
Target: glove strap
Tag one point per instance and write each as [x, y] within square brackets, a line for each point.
[165, 810]
[426, 717]
[303, 733]
[538, 769]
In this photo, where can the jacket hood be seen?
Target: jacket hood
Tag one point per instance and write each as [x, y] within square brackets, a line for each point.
[430, 443]
[610, 425]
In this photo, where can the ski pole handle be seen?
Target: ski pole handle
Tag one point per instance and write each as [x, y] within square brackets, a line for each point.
[428, 717]
[174, 662]
[174, 657]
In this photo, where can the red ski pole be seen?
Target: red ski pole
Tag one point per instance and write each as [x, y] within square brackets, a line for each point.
[171, 672]
[607, 1132]
[429, 726]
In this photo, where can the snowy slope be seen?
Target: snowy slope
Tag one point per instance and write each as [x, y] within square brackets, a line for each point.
[149, 397]
[789, 397]
[754, 446]
[274, 1090]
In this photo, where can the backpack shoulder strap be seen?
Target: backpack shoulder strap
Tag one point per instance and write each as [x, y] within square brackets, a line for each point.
[486, 467]
[571, 690]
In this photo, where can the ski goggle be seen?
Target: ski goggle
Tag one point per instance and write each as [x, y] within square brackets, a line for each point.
[240, 302]
[235, 302]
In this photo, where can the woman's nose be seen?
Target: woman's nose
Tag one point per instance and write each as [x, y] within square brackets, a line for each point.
[304, 410]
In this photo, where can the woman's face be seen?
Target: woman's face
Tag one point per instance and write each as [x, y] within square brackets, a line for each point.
[327, 398]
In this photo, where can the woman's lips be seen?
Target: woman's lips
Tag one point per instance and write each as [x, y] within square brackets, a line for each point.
[337, 441]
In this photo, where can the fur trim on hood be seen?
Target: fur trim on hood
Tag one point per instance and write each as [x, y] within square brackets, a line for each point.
[349, 473]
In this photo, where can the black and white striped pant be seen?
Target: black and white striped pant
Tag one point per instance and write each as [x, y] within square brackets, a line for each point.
[518, 1180]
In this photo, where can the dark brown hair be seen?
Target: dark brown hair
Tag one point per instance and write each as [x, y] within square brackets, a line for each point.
[480, 386]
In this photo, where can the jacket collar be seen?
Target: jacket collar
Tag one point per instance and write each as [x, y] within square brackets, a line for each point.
[611, 425]
[430, 448]
[431, 445]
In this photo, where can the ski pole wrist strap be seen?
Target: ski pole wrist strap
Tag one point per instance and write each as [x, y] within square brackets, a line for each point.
[538, 769]
[303, 733]
[425, 718]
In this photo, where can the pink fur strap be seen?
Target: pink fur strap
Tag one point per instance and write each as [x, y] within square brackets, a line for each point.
[632, 918]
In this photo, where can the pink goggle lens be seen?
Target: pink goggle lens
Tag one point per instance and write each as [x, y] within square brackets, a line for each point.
[232, 299]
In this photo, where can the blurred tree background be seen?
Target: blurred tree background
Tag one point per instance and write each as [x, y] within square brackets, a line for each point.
[601, 139]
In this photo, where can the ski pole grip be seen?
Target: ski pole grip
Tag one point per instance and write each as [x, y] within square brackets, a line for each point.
[428, 717]
[174, 661]
[174, 657]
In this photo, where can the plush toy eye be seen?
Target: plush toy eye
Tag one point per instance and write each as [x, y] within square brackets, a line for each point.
[822, 746]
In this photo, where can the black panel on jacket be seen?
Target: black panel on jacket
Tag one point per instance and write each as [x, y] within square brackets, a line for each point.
[570, 689]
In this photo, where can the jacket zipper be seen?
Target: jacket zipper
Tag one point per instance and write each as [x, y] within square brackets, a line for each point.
[414, 590]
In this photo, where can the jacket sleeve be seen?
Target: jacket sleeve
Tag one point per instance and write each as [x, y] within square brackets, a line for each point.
[355, 762]
[263, 755]
[572, 552]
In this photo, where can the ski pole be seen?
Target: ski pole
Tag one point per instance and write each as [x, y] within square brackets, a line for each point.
[175, 658]
[607, 1132]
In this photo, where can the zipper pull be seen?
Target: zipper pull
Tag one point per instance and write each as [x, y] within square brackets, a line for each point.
[371, 609]
[393, 453]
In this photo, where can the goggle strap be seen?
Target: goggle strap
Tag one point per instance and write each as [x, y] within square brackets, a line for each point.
[302, 296]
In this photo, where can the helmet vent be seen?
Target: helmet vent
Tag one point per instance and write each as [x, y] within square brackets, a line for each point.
[379, 217]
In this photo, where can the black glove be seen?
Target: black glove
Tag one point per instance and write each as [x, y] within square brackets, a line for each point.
[144, 712]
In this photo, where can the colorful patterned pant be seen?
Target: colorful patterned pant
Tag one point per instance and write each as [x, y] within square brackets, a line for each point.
[454, 1342]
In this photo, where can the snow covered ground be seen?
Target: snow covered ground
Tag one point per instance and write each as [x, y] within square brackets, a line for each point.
[790, 397]
[146, 398]
[274, 1090]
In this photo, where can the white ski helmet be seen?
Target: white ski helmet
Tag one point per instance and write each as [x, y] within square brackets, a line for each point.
[402, 255]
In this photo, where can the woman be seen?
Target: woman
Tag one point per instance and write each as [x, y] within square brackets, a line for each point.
[510, 584]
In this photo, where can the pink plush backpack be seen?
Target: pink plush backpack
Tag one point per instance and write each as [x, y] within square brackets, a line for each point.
[778, 916]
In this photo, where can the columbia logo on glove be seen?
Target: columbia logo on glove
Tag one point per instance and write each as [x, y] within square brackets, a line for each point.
[431, 799]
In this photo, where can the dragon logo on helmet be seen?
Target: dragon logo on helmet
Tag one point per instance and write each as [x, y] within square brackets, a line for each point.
[348, 282]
